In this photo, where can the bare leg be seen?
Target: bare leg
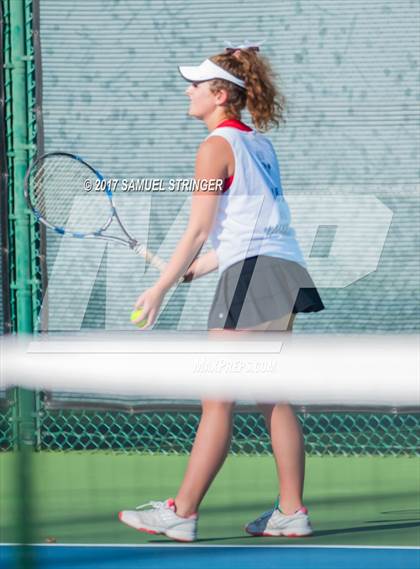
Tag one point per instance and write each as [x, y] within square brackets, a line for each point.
[213, 440]
[289, 453]
[207, 456]
[288, 445]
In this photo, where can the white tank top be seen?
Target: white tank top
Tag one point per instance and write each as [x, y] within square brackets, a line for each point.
[253, 217]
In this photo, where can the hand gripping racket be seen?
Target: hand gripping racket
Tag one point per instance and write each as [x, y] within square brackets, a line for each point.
[72, 198]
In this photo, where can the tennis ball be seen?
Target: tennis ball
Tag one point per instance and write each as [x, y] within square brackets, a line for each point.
[134, 315]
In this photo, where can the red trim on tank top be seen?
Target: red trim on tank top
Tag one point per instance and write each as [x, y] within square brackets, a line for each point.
[227, 183]
[233, 123]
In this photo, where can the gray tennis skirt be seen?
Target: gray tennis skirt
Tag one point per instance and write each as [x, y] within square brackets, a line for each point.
[259, 289]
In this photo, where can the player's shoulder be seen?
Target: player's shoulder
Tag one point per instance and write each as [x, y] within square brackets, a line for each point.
[213, 145]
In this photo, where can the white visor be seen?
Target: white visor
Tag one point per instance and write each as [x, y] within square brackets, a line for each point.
[207, 71]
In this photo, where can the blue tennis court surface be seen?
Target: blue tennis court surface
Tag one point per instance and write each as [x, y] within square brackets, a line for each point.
[220, 557]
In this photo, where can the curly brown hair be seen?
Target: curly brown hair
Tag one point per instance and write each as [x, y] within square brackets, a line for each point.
[265, 103]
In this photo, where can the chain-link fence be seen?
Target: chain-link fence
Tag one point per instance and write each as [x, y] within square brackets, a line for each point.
[173, 432]
[7, 436]
[149, 426]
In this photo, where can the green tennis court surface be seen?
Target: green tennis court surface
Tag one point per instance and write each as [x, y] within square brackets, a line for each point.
[76, 497]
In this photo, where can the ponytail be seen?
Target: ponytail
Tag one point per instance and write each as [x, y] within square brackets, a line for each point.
[261, 97]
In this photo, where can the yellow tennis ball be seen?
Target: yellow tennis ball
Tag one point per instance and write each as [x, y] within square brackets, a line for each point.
[134, 315]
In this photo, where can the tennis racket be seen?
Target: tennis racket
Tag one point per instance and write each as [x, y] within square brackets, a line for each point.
[72, 198]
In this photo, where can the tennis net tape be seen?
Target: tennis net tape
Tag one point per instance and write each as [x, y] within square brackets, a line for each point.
[141, 392]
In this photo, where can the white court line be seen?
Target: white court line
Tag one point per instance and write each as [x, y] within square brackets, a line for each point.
[199, 545]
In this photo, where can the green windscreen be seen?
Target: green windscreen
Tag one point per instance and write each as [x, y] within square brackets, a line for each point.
[348, 153]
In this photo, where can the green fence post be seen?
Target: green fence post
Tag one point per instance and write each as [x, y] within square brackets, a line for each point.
[25, 400]
[20, 216]
[20, 163]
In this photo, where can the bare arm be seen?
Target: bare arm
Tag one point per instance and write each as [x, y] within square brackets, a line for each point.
[211, 164]
[202, 266]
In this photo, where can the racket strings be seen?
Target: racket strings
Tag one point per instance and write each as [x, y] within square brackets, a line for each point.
[64, 191]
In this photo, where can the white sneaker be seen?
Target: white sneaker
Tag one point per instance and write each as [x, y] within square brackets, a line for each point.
[161, 518]
[275, 523]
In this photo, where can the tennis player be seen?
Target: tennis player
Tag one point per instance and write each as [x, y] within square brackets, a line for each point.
[263, 279]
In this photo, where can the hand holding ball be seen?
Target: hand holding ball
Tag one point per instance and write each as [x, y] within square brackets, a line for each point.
[136, 314]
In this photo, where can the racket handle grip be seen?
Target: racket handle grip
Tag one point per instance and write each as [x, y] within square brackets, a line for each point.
[149, 257]
[153, 260]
